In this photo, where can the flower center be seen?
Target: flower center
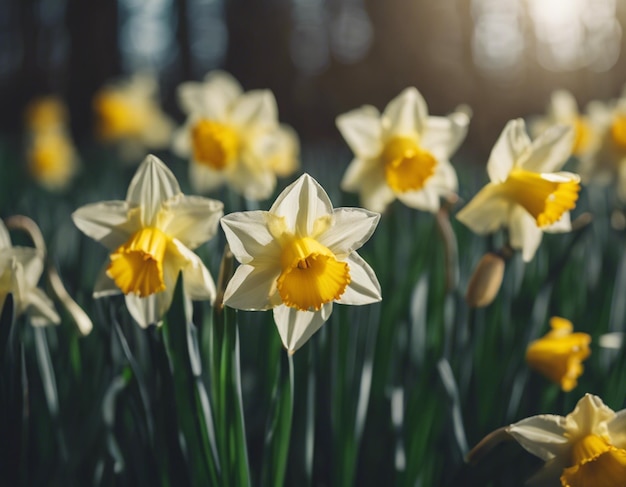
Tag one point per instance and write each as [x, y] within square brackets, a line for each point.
[407, 165]
[596, 463]
[618, 131]
[118, 117]
[137, 266]
[559, 354]
[582, 135]
[311, 275]
[214, 144]
[545, 196]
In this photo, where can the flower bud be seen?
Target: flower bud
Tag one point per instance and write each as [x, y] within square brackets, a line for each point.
[485, 282]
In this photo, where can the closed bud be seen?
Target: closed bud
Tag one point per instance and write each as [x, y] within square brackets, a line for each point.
[485, 282]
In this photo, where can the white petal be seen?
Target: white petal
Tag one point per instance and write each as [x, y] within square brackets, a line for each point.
[251, 288]
[302, 203]
[197, 280]
[296, 327]
[368, 178]
[362, 130]
[426, 199]
[277, 149]
[590, 416]
[31, 262]
[549, 474]
[191, 219]
[550, 151]
[181, 140]
[542, 435]
[486, 212]
[443, 135]
[563, 106]
[511, 144]
[41, 309]
[249, 238]
[254, 108]
[150, 310]
[617, 429]
[524, 232]
[406, 114]
[359, 171]
[351, 228]
[253, 179]
[105, 286]
[444, 181]
[107, 222]
[212, 98]
[5, 239]
[364, 287]
[204, 179]
[152, 185]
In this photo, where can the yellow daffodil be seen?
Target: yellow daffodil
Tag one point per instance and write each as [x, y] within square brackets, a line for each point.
[151, 236]
[525, 194]
[403, 153]
[51, 159]
[585, 448]
[45, 113]
[563, 110]
[559, 354]
[128, 114]
[234, 137]
[298, 258]
[20, 270]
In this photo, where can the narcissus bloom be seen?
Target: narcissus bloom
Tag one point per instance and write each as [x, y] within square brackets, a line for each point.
[20, 270]
[151, 236]
[525, 194]
[585, 448]
[51, 159]
[403, 153]
[234, 137]
[559, 354]
[563, 110]
[128, 114]
[299, 258]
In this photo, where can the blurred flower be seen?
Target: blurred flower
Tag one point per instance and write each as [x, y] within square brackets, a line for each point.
[151, 236]
[525, 194]
[486, 280]
[20, 270]
[402, 153]
[51, 159]
[585, 448]
[234, 137]
[563, 110]
[45, 113]
[559, 354]
[298, 258]
[128, 114]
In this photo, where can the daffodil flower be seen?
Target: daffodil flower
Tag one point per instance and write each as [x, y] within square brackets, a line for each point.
[51, 159]
[151, 236]
[403, 153]
[20, 270]
[128, 114]
[585, 448]
[525, 194]
[563, 110]
[234, 137]
[299, 258]
[559, 354]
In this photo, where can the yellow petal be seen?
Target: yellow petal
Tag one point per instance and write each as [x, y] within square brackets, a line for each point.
[137, 265]
[119, 116]
[214, 144]
[311, 275]
[596, 463]
[545, 196]
[407, 165]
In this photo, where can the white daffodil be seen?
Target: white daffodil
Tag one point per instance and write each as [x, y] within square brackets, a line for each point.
[298, 258]
[585, 448]
[403, 153]
[563, 110]
[151, 236]
[234, 137]
[20, 270]
[525, 194]
[128, 114]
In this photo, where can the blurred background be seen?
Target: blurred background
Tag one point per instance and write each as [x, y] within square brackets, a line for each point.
[319, 57]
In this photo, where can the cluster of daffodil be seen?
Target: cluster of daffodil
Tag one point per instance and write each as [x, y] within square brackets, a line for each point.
[300, 256]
